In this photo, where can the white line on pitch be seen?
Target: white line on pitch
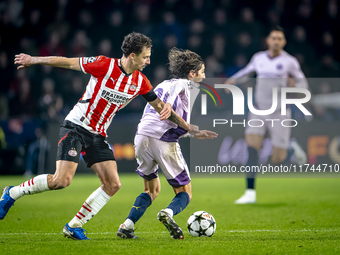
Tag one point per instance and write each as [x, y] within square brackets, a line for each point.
[147, 232]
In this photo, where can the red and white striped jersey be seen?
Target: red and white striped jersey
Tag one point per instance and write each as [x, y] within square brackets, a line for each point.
[108, 91]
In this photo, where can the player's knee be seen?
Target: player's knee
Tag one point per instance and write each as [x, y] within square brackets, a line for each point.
[60, 183]
[277, 159]
[153, 193]
[112, 187]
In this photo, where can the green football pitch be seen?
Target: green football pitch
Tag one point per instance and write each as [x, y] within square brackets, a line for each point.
[292, 216]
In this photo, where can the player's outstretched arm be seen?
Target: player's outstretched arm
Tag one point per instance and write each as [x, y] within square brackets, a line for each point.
[166, 112]
[205, 134]
[24, 60]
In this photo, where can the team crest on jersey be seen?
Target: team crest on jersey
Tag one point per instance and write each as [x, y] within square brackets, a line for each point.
[279, 66]
[133, 87]
[72, 153]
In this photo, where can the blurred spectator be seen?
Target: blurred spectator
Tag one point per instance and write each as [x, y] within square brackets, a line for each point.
[160, 74]
[169, 26]
[170, 41]
[50, 104]
[60, 26]
[219, 45]
[197, 27]
[197, 30]
[33, 26]
[5, 72]
[195, 43]
[142, 21]
[74, 92]
[28, 45]
[213, 68]
[81, 44]
[53, 47]
[245, 43]
[298, 44]
[105, 48]
[117, 31]
[248, 24]
[37, 154]
[240, 61]
[274, 18]
[4, 109]
[329, 67]
[22, 103]
[14, 9]
[327, 44]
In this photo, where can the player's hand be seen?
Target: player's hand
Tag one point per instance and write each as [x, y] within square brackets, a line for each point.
[166, 111]
[230, 81]
[23, 60]
[205, 134]
[193, 129]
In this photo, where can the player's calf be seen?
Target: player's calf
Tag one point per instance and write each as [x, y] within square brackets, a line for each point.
[142, 202]
[111, 188]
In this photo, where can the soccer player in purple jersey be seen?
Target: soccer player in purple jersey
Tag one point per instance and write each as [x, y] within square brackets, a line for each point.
[156, 144]
[273, 67]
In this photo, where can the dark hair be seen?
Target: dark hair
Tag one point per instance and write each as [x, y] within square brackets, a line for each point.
[276, 28]
[181, 62]
[135, 43]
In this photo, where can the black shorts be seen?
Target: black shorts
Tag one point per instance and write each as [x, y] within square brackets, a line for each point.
[75, 140]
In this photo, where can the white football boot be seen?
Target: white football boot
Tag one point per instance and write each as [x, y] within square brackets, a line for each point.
[249, 197]
[299, 153]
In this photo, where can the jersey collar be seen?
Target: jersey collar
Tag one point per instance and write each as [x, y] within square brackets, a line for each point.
[122, 69]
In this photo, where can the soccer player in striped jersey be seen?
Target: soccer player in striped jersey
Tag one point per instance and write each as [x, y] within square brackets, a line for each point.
[113, 84]
[273, 68]
[156, 144]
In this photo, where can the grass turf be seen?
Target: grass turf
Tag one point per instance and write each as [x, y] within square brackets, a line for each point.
[292, 216]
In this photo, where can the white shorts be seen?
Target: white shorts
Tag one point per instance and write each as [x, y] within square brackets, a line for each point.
[151, 152]
[280, 135]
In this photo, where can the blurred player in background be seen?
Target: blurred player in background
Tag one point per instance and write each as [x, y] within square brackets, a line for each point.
[273, 68]
[156, 144]
[113, 84]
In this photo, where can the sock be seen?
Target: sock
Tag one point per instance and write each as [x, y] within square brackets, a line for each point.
[251, 192]
[169, 211]
[129, 224]
[35, 185]
[90, 208]
[142, 202]
[253, 160]
[290, 152]
[178, 204]
[250, 183]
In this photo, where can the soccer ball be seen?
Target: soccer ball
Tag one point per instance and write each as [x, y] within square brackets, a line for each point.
[201, 223]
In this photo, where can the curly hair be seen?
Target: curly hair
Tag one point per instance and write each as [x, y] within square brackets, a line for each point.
[181, 62]
[135, 43]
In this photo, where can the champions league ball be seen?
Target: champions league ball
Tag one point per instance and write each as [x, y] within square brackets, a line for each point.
[201, 223]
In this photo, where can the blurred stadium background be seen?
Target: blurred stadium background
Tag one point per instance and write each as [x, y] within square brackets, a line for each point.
[226, 33]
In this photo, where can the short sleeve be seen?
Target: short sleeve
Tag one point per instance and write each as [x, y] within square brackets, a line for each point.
[175, 89]
[145, 87]
[295, 69]
[96, 66]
